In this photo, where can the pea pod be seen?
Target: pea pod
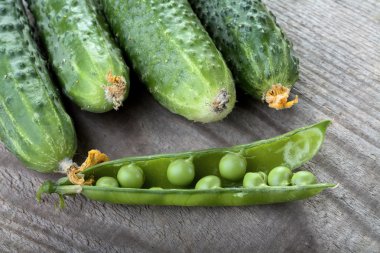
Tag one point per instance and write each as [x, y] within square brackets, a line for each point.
[291, 149]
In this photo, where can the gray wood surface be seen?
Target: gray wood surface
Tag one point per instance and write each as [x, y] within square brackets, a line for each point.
[338, 46]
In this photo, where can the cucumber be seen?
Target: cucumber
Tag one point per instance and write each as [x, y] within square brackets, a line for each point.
[174, 56]
[254, 46]
[82, 52]
[33, 123]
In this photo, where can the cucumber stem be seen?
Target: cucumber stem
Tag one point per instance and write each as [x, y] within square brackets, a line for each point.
[277, 97]
[115, 92]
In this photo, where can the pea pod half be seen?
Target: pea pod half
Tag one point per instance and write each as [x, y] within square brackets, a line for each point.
[291, 149]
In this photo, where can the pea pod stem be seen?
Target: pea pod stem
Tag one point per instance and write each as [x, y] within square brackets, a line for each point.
[51, 187]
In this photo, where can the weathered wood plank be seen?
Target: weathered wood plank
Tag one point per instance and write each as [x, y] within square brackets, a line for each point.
[338, 43]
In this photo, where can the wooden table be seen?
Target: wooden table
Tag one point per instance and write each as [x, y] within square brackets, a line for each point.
[337, 42]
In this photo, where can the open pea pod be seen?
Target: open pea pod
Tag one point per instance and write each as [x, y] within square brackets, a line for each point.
[291, 149]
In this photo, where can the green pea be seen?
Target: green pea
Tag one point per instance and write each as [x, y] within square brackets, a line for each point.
[107, 182]
[254, 179]
[279, 176]
[181, 172]
[232, 166]
[303, 178]
[130, 176]
[208, 182]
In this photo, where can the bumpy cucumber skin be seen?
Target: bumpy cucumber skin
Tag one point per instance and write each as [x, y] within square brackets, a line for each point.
[252, 43]
[81, 50]
[33, 123]
[174, 56]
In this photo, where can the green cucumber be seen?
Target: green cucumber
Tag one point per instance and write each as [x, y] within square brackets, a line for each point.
[254, 46]
[174, 56]
[33, 123]
[82, 53]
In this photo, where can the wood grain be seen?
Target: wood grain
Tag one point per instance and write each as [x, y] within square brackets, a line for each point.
[338, 45]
